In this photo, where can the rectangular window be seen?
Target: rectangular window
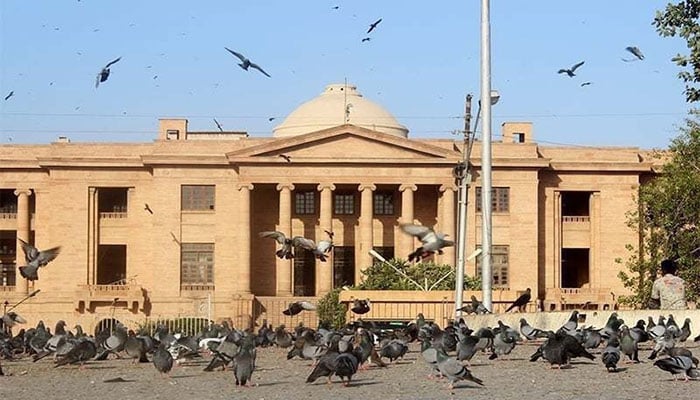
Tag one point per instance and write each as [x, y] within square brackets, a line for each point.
[343, 204]
[500, 199]
[499, 265]
[304, 203]
[196, 265]
[385, 251]
[198, 197]
[383, 203]
[343, 266]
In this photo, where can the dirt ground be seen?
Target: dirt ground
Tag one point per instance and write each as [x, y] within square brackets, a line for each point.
[510, 377]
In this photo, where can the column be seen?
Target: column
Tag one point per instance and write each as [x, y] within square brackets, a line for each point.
[362, 257]
[23, 221]
[285, 267]
[594, 267]
[324, 270]
[404, 244]
[92, 241]
[242, 278]
[448, 223]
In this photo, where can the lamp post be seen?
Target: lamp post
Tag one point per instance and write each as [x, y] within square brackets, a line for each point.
[464, 175]
[30, 295]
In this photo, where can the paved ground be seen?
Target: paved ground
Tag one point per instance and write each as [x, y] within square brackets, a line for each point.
[513, 377]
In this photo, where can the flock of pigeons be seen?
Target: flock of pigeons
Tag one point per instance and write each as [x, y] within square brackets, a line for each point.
[571, 72]
[446, 352]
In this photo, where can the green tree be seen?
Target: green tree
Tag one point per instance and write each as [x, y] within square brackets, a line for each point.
[681, 19]
[331, 312]
[418, 276]
[667, 216]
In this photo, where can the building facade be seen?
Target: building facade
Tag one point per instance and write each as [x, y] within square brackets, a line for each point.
[170, 228]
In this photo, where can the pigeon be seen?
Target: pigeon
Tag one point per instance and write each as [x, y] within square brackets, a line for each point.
[327, 364]
[297, 307]
[11, 319]
[678, 365]
[360, 306]
[163, 360]
[35, 259]
[685, 331]
[636, 52]
[135, 348]
[286, 251]
[454, 371]
[373, 25]
[54, 342]
[218, 125]
[429, 355]
[521, 301]
[81, 352]
[244, 362]
[431, 241]
[114, 343]
[571, 324]
[611, 354]
[147, 208]
[320, 250]
[246, 63]
[104, 74]
[347, 364]
[529, 332]
[286, 157]
[628, 345]
[586, 84]
[570, 71]
[394, 349]
[12, 92]
[283, 338]
[367, 39]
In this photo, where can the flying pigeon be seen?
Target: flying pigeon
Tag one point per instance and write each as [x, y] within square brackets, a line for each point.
[36, 259]
[636, 52]
[586, 84]
[218, 125]
[570, 71]
[147, 208]
[360, 306]
[246, 63]
[320, 250]
[367, 39]
[104, 74]
[12, 92]
[288, 244]
[286, 157]
[521, 301]
[374, 25]
[431, 241]
[297, 307]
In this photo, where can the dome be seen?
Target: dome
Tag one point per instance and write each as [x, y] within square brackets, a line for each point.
[339, 104]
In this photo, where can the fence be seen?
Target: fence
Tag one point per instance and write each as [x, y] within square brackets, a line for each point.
[188, 326]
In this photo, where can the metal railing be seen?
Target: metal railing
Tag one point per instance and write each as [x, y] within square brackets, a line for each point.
[575, 219]
[113, 215]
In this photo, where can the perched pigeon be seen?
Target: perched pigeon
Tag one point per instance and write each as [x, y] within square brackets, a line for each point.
[529, 332]
[521, 301]
[628, 345]
[246, 63]
[394, 349]
[297, 307]
[360, 306]
[36, 259]
[347, 364]
[104, 73]
[244, 362]
[611, 354]
[570, 71]
[431, 241]
[162, 359]
[454, 371]
[570, 325]
[81, 352]
[678, 365]
[685, 331]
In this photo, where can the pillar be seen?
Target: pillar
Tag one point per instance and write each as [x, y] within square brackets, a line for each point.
[285, 267]
[448, 223]
[324, 270]
[242, 277]
[362, 257]
[404, 244]
[23, 227]
[92, 241]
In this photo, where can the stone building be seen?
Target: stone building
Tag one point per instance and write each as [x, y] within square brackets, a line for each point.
[170, 228]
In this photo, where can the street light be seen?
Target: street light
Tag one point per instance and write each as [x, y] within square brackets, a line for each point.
[463, 173]
[30, 295]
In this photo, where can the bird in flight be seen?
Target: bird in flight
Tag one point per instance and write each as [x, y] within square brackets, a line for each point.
[636, 52]
[270, 119]
[335, 7]
[246, 63]
[12, 92]
[218, 125]
[104, 74]
[367, 39]
[374, 25]
[147, 208]
[570, 71]
[586, 84]
[286, 157]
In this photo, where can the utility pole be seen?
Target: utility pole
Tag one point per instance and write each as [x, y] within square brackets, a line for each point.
[463, 174]
[486, 223]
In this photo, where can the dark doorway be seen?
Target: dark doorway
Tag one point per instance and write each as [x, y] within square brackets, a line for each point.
[344, 266]
[575, 269]
[304, 273]
[575, 204]
[111, 264]
[112, 200]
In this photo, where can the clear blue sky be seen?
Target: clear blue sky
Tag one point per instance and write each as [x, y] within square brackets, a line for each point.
[422, 60]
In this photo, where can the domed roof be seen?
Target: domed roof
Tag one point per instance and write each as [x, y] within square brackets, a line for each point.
[339, 104]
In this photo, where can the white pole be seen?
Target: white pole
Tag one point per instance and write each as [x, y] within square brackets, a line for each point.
[465, 177]
[486, 224]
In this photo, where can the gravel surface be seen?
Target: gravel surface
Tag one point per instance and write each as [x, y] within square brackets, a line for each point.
[509, 377]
